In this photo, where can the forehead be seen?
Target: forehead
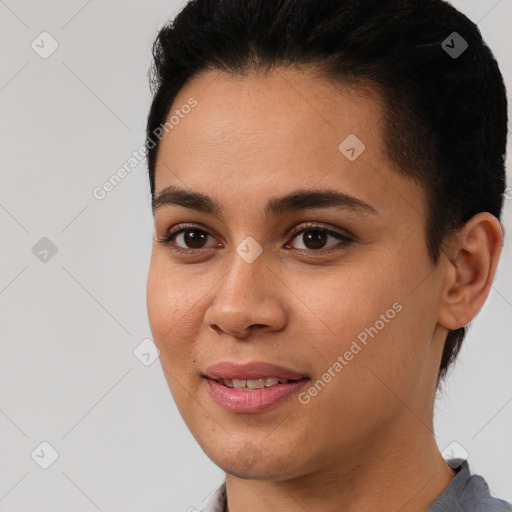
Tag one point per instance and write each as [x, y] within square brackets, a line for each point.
[283, 109]
[277, 132]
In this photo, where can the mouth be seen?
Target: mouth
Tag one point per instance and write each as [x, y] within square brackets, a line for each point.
[254, 375]
[252, 387]
[254, 384]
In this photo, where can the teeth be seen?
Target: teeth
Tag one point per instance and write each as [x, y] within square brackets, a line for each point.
[264, 382]
[239, 383]
[255, 383]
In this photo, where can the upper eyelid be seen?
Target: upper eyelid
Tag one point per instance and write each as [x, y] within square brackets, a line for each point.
[296, 231]
[315, 225]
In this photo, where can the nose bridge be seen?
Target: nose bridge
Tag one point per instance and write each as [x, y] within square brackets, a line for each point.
[246, 271]
[247, 295]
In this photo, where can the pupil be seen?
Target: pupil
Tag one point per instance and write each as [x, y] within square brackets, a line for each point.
[194, 238]
[313, 239]
[316, 237]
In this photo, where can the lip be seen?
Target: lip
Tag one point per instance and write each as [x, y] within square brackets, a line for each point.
[254, 370]
[251, 401]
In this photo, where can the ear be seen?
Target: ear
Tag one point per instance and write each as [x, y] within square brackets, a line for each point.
[472, 257]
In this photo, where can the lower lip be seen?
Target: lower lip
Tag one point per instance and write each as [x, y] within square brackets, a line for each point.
[257, 400]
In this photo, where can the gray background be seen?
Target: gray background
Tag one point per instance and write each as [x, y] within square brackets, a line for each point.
[69, 326]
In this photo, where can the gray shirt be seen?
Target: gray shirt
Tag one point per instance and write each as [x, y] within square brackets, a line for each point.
[466, 493]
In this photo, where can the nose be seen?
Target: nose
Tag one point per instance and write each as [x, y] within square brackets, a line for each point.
[249, 297]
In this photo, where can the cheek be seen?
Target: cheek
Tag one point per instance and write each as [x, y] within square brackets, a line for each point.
[374, 312]
[173, 306]
[351, 299]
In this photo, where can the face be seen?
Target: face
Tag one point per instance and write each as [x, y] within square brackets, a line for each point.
[289, 243]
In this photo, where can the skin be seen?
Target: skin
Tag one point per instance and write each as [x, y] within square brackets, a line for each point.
[365, 441]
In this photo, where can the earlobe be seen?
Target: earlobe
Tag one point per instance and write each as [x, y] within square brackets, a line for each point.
[473, 255]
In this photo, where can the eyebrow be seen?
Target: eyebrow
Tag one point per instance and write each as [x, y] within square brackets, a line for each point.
[296, 201]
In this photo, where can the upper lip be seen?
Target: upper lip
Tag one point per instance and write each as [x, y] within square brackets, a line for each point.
[254, 370]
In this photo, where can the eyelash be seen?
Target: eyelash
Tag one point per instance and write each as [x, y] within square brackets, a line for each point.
[344, 241]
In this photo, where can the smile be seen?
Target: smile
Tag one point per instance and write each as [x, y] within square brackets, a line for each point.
[252, 384]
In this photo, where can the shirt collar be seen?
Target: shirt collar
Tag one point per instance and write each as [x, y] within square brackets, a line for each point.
[216, 502]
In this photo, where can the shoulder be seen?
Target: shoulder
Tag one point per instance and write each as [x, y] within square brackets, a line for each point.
[468, 493]
[477, 494]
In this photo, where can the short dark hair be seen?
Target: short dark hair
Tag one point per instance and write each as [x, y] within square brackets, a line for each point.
[445, 114]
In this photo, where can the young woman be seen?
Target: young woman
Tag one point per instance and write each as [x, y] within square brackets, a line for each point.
[327, 181]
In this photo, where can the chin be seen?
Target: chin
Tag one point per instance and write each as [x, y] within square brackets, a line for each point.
[245, 474]
[249, 463]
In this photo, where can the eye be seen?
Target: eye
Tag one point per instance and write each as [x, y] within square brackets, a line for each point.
[187, 238]
[314, 238]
